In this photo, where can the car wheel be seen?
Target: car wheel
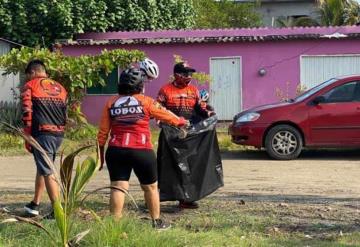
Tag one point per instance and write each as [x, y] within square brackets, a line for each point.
[283, 142]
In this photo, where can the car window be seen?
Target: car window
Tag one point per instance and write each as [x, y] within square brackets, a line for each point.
[357, 92]
[315, 89]
[343, 93]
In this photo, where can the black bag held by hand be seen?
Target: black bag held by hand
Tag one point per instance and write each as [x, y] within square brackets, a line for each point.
[189, 165]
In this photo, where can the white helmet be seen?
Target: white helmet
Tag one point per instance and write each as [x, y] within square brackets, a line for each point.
[150, 68]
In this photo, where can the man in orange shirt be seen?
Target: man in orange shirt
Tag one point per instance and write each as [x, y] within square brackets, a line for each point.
[44, 118]
[183, 99]
[179, 96]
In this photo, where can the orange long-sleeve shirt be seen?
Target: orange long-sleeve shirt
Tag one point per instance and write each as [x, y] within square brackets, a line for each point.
[127, 119]
[44, 107]
[181, 101]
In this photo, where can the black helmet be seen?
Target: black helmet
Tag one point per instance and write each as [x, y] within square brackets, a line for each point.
[131, 81]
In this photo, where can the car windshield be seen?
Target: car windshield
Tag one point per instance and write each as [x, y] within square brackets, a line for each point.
[313, 90]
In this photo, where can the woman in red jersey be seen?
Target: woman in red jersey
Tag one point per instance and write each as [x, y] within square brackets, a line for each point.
[126, 117]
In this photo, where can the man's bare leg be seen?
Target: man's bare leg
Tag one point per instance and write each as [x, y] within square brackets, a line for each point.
[52, 188]
[39, 188]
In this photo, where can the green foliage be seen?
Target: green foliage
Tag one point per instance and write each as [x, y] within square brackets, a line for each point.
[352, 10]
[31, 22]
[339, 12]
[75, 73]
[85, 133]
[75, 138]
[330, 13]
[89, 15]
[225, 14]
[10, 143]
[72, 190]
[225, 222]
[40, 22]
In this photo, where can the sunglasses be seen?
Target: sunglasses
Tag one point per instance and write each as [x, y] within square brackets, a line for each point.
[185, 74]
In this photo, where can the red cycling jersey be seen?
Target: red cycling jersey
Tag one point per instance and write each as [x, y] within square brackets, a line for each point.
[127, 119]
[44, 107]
[180, 101]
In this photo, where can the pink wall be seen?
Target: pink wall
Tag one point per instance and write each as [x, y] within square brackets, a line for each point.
[281, 59]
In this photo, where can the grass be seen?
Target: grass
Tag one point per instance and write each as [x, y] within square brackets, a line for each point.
[218, 222]
[12, 145]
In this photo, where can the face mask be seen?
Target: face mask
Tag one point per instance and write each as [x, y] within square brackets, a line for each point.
[182, 81]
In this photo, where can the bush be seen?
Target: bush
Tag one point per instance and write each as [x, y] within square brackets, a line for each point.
[11, 144]
[83, 133]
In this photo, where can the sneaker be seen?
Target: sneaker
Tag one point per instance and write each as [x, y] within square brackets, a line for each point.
[160, 225]
[188, 205]
[32, 208]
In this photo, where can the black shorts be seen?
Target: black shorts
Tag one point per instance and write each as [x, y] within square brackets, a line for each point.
[121, 161]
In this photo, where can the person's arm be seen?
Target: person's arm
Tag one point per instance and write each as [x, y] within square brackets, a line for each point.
[161, 97]
[104, 129]
[27, 111]
[160, 113]
[201, 110]
[210, 108]
[162, 100]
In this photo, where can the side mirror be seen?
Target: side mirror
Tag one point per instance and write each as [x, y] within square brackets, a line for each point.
[318, 100]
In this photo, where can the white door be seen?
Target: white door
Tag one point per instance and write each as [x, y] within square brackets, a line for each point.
[225, 87]
[317, 69]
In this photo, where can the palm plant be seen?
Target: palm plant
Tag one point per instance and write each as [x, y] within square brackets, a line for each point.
[332, 12]
[71, 188]
[338, 12]
[352, 11]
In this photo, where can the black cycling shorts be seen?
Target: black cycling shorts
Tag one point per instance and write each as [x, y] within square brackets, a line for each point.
[121, 161]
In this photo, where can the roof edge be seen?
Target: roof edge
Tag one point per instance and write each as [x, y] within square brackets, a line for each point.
[10, 42]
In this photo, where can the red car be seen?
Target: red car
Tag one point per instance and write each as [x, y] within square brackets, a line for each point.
[327, 115]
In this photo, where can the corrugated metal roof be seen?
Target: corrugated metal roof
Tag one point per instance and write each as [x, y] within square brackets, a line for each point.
[214, 35]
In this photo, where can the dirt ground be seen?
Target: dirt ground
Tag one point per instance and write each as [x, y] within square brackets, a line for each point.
[313, 198]
[317, 176]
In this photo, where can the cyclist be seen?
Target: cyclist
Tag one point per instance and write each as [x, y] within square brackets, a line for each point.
[126, 117]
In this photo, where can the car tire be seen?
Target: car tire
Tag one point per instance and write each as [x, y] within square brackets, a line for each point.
[283, 142]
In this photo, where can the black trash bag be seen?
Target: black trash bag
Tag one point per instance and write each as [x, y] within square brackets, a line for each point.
[189, 163]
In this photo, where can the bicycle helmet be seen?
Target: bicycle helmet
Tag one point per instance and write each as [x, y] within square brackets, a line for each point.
[150, 68]
[131, 81]
[204, 95]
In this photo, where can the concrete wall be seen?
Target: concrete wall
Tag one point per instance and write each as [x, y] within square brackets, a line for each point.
[7, 82]
[270, 11]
